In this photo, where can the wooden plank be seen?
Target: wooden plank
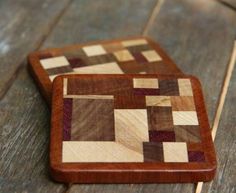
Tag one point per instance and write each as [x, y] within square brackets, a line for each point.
[100, 20]
[24, 115]
[24, 139]
[24, 25]
[225, 144]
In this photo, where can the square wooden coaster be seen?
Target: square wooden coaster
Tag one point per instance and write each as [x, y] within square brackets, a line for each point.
[130, 129]
[133, 55]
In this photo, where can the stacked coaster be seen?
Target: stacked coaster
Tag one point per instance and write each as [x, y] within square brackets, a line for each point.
[123, 112]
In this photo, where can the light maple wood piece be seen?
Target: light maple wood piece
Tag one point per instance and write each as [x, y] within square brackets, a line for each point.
[83, 151]
[152, 56]
[158, 101]
[182, 103]
[123, 56]
[107, 68]
[145, 83]
[141, 129]
[175, 152]
[185, 88]
[185, 118]
[94, 50]
[54, 62]
[136, 42]
[131, 128]
[90, 96]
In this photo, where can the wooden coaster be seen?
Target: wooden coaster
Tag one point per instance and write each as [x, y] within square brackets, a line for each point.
[130, 129]
[133, 55]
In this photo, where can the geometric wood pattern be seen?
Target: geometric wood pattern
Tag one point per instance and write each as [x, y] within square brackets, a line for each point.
[101, 128]
[137, 55]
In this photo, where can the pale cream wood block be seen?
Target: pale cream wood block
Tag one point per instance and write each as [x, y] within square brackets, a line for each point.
[106, 68]
[158, 101]
[185, 87]
[65, 82]
[94, 50]
[151, 56]
[131, 128]
[54, 62]
[185, 118]
[175, 152]
[123, 55]
[136, 42]
[84, 151]
[90, 96]
[145, 83]
[142, 72]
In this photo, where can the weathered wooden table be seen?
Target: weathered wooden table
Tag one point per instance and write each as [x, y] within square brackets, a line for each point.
[198, 34]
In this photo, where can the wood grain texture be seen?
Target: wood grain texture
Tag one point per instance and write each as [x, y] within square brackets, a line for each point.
[158, 101]
[92, 120]
[24, 140]
[84, 151]
[175, 152]
[145, 83]
[25, 19]
[184, 39]
[131, 130]
[160, 118]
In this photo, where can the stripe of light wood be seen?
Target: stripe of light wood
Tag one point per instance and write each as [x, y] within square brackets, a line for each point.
[163, 101]
[54, 62]
[221, 102]
[89, 151]
[185, 118]
[135, 42]
[175, 152]
[185, 87]
[106, 68]
[145, 83]
[90, 96]
[65, 82]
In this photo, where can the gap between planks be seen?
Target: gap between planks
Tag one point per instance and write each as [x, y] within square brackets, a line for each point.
[152, 17]
[221, 101]
[226, 4]
[38, 45]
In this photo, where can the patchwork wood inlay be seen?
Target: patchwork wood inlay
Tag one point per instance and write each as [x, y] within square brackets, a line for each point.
[101, 123]
[138, 55]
